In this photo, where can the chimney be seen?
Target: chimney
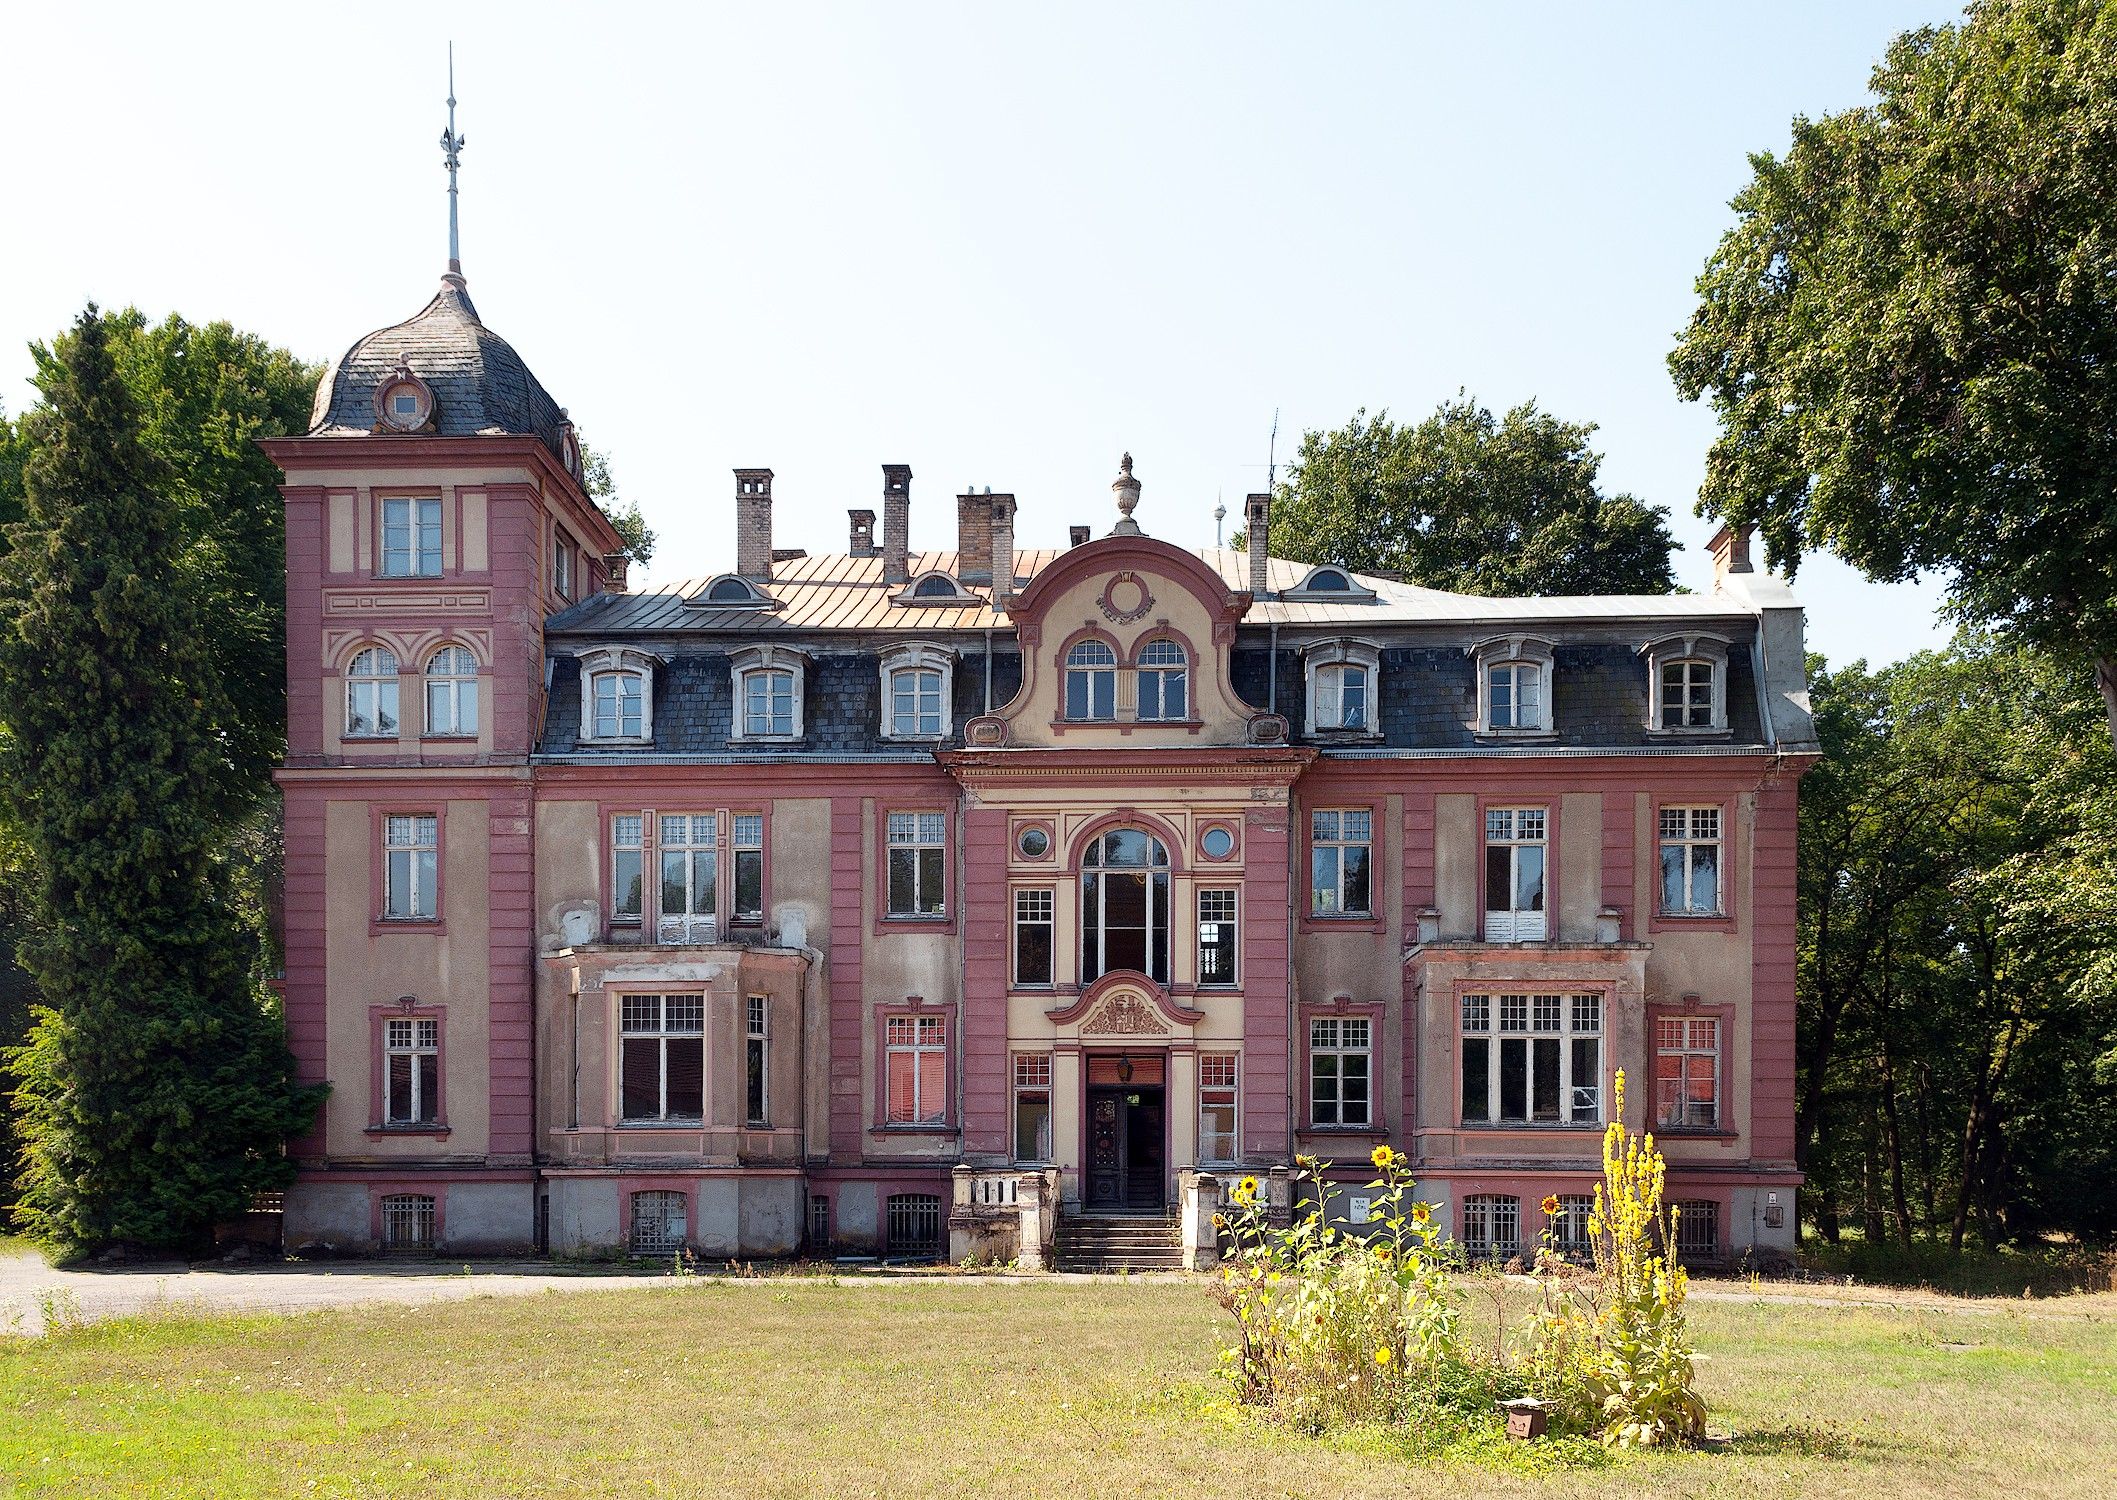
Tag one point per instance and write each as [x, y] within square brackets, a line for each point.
[974, 537]
[615, 565]
[896, 521]
[1002, 548]
[1730, 549]
[1257, 516]
[1076, 536]
[753, 524]
[862, 542]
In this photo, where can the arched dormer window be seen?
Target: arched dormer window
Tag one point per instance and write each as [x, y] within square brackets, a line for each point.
[1514, 677]
[452, 692]
[917, 687]
[934, 586]
[768, 693]
[1687, 685]
[617, 696]
[1342, 679]
[1091, 681]
[371, 695]
[1125, 905]
[1331, 584]
[1163, 675]
[731, 591]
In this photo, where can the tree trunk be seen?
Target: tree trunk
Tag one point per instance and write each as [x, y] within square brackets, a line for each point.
[1893, 1144]
[2106, 679]
[1870, 1174]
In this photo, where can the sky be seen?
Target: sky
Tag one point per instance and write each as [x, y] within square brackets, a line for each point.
[1000, 243]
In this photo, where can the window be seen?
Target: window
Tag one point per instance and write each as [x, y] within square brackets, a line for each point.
[1341, 851]
[619, 706]
[562, 566]
[1327, 581]
[757, 1038]
[1690, 861]
[749, 868]
[1216, 937]
[690, 851]
[1033, 843]
[1541, 1065]
[371, 695]
[918, 1070]
[658, 1223]
[819, 1221]
[935, 586]
[768, 703]
[1032, 1106]
[1340, 697]
[1091, 681]
[1687, 694]
[914, 1224]
[627, 852]
[1033, 929]
[1687, 684]
[1569, 1226]
[1492, 1226]
[1514, 874]
[1216, 1108]
[663, 1041]
[411, 847]
[1338, 1061]
[1217, 842]
[918, 850]
[1698, 1227]
[1164, 677]
[728, 589]
[915, 703]
[452, 692]
[411, 1069]
[1514, 696]
[1125, 906]
[1687, 1072]
[408, 1221]
[411, 538]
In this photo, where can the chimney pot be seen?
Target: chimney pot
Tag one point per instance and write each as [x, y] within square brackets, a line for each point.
[753, 524]
[1257, 516]
[896, 522]
[616, 567]
[1076, 536]
[862, 542]
[1730, 547]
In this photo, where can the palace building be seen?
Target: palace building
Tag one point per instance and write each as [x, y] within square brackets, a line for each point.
[899, 902]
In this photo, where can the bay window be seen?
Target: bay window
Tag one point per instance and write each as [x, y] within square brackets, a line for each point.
[662, 1057]
[1532, 1059]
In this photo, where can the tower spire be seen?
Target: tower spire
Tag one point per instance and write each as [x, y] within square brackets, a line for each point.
[451, 156]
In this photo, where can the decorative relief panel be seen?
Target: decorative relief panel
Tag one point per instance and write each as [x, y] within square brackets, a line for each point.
[1126, 1013]
[395, 601]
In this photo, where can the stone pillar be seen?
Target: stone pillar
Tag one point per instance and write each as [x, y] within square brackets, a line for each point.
[1279, 1196]
[1198, 1204]
[1036, 1199]
[753, 524]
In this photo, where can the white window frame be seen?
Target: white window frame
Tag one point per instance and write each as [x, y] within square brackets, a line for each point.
[633, 1026]
[918, 657]
[411, 867]
[1497, 1022]
[1709, 650]
[916, 833]
[420, 526]
[749, 662]
[562, 555]
[1333, 1037]
[1687, 1037]
[371, 680]
[915, 1037]
[628, 864]
[1325, 666]
[1220, 1086]
[1702, 825]
[1232, 920]
[1339, 838]
[411, 1038]
[604, 661]
[1031, 1072]
[1099, 676]
[1512, 653]
[757, 1060]
[1155, 663]
[1513, 830]
[1034, 906]
[694, 834]
[452, 693]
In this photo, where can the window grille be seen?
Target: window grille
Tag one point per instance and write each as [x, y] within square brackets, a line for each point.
[1492, 1226]
[819, 1223]
[408, 1222]
[914, 1224]
[658, 1223]
[1569, 1227]
[1698, 1228]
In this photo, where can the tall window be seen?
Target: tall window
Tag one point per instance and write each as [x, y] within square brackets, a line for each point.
[452, 692]
[371, 695]
[1164, 679]
[1216, 937]
[562, 566]
[1690, 861]
[1541, 1064]
[410, 871]
[1091, 681]
[1033, 923]
[768, 703]
[749, 868]
[1687, 694]
[618, 698]
[1569, 1226]
[411, 538]
[1032, 1106]
[663, 1058]
[918, 1070]
[915, 703]
[1514, 874]
[1514, 695]
[1216, 1108]
[627, 851]
[1687, 1072]
[690, 850]
[1341, 691]
[1339, 1064]
[1341, 853]
[918, 852]
[411, 1061]
[1492, 1226]
[757, 1038]
[1125, 906]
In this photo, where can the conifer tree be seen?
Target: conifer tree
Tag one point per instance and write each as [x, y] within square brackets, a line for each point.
[156, 1088]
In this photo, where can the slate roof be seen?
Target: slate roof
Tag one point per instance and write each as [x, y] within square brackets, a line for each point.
[481, 386]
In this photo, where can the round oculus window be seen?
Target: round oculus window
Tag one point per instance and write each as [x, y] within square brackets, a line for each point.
[1034, 843]
[1218, 843]
[404, 405]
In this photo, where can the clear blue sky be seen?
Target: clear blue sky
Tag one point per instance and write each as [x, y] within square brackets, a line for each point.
[996, 242]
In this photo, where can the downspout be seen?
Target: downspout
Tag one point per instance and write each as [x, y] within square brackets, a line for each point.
[988, 669]
[1271, 704]
[573, 1105]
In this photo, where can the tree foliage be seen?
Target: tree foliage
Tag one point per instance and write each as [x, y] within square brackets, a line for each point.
[1910, 335]
[1470, 502]
[625, 515]
[155, 1090]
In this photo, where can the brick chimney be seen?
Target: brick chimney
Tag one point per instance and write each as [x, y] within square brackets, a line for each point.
[1257, 516]
[862, 541]
[896, 521]
[753, 524]
[1730, 549]
[1076, 536]
[974, 537]
[1002, 547]
[615, 567]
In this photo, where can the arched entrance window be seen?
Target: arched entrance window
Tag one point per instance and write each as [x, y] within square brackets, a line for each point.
[1125, 906]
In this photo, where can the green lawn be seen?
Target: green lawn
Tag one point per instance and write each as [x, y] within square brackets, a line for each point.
[798, 1386]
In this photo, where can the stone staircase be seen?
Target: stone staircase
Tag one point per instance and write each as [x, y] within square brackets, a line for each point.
[1118, 1242]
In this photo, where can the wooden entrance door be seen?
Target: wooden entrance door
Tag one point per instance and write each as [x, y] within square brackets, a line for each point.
[1126, 1153]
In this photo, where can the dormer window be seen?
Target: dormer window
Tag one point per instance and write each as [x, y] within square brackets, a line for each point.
[768, 693]
[617, 696]
[1091, 681]
[1331, 584]
[732, 591]
[1687, 685]
[1514, 685]
[917, 681]
[1342, 676]
[934, 586]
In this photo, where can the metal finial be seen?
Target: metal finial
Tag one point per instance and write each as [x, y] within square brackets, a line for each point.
[451, 156]
[1220, 515]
